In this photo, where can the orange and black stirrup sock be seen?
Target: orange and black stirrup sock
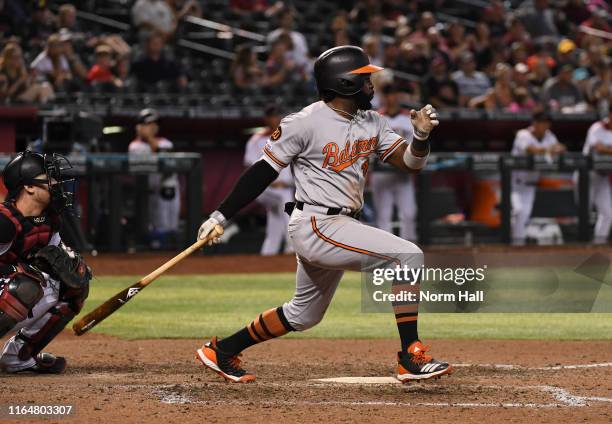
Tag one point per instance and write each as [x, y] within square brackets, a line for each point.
[407, 327]
[406, 313]
[268, 325]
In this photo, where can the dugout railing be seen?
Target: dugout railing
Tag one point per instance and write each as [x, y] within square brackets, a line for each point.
[101, 180]
[504, 164]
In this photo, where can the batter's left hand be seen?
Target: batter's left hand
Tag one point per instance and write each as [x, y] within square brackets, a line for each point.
[424, 121]
[206, 228]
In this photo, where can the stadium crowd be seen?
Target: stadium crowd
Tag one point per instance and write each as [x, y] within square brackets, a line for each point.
[500, 55]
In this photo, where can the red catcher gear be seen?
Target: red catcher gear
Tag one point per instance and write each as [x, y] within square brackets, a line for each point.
[31, 233]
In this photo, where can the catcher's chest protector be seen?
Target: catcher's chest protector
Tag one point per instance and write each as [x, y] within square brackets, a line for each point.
[32, 233]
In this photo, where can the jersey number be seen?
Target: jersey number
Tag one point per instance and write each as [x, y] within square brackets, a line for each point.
[364, 167]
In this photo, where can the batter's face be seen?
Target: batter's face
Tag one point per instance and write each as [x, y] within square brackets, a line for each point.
[365, 96]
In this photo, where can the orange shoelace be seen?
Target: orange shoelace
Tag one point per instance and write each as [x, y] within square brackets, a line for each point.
[420, 357]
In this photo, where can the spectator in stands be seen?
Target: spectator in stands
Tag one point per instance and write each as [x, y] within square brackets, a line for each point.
[371, 46]
[516, 33]
[245, 69]
[495, 17]
[53, 65]
[541, 53]
[13, 16]
[538, 18]
[566, 52]
[155, 67]
[598, 20]
[599, 88]
[521, 101]
[471, 83]
[299, 46]
[426, 21]
[153, 16]
[363, 9]
[456, 40]
[520, 80]
[43, 24]
[437, 45]
[480, 45]
[538, 77]
[67, 17]
[500, 96]
[576, 11]
[101, 72]
[15, 82]
[278, 68]
[376, 24]
[518, 53]
[441, 91]
[77, 68]
[412, 59]
[562, 94]
[182, 8]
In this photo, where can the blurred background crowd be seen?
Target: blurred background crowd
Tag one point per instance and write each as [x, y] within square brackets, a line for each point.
[494, 55]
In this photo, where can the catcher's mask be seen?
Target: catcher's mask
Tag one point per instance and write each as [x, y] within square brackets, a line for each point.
[26, 166]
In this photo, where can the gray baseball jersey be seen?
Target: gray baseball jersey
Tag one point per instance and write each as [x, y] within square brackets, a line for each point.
[329, 157]
[329, 153]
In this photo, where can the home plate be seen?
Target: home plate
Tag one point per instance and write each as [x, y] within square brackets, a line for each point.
[359, 380]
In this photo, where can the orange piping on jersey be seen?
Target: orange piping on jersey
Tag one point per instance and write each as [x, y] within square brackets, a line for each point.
[313, 222]
[390, 150]
[274, 158]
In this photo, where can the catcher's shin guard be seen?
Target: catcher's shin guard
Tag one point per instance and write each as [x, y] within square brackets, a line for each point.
[71, 302]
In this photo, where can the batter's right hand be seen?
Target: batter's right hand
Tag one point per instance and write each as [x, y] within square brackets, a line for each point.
[206, 228]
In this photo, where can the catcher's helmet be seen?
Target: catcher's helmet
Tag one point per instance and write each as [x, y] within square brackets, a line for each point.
[342, 69]
[26, 166]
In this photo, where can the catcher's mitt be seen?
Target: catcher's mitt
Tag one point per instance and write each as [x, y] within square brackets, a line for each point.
[64, 265]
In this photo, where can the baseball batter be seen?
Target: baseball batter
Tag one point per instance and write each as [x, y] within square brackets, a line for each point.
[43, 284]
[164, 198]
[390, 188]
[328, 147]
[277, 194]
[599, 141]
[537, 139]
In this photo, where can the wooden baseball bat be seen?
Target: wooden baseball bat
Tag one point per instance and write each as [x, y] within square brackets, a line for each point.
[117, 301]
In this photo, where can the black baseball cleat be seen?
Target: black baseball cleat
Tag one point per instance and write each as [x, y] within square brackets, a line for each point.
[227, 366]
[47, 363]
[415, 365]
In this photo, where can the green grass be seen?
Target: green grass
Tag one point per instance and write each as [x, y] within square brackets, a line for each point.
[205, 305]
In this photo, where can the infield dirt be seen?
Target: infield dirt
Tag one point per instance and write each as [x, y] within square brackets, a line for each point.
[110, 380]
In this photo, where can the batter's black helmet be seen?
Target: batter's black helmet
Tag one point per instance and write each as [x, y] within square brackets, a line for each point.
[342, 70]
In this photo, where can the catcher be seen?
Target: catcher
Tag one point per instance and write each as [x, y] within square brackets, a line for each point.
[43, 284]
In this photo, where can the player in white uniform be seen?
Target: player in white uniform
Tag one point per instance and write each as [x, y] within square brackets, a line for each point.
[537, 139]
[389, 187]
[277, 194]
[328, 146]
[164, 197]
[599, 141]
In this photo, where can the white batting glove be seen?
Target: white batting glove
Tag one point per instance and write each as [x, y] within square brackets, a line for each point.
[424, 121]
[208, 226]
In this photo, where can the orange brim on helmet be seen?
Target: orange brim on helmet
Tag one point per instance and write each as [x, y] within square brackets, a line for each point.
[368, 69]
